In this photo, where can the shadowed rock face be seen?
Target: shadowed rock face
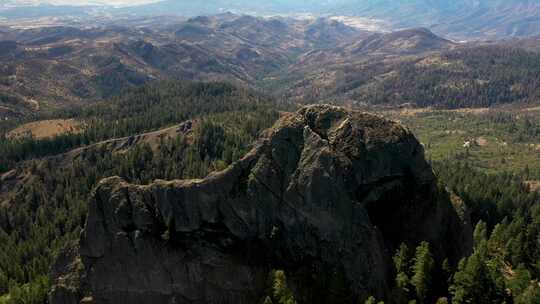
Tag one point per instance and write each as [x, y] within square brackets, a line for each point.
[327, 195]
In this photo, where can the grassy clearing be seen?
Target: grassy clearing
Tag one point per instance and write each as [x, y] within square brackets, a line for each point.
[493, 141]
[46, 128]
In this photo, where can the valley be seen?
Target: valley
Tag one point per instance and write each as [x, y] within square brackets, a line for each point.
[297, 60]
[293, 62]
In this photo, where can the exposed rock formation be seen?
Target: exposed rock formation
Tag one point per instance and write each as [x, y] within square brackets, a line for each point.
[327, 195]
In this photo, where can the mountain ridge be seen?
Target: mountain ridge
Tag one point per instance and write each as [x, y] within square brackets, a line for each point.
[461, 19]
[315, 60]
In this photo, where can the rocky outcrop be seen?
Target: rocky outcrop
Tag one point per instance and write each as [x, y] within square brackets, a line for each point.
[327, 195]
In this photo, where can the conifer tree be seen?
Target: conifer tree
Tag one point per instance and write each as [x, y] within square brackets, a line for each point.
[474, 283]
[480, 233]
[402, 261]
[422, 271]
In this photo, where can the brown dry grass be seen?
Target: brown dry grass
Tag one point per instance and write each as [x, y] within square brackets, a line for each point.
[124, 144]
[46, 128]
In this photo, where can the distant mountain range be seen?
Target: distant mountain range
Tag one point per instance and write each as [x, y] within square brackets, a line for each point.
[458, 19]
[62, 66]
[310, 60]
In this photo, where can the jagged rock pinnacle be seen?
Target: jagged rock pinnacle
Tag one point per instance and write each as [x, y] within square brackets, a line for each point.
[327, 195]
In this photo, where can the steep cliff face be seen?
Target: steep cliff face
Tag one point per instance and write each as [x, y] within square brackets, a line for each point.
[327, 195]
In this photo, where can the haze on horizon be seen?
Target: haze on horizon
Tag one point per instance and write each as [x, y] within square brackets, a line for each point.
[22, 3]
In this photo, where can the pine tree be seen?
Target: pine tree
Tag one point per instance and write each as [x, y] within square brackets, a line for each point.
[281, 291]
[480, 233]
[422, 271]
[402, 261]
[473, 283]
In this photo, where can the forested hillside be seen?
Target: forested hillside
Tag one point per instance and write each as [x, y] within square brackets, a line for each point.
[57, 67]
[465, 76]
[319, 60]
[43, 201]
[504, 265]
[138, 110]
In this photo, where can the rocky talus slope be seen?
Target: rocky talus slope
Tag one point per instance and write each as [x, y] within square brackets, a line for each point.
[326, 195]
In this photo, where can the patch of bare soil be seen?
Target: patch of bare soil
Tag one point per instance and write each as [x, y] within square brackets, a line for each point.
[481, 141]
[533, 185]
